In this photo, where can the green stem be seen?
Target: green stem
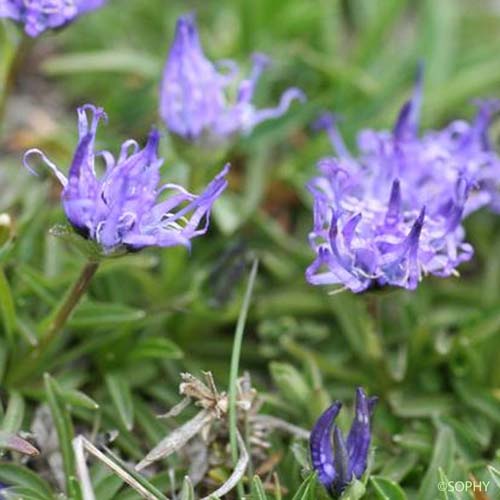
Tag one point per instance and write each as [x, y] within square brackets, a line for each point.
[69, 303]
[235, 362]
[30, 366]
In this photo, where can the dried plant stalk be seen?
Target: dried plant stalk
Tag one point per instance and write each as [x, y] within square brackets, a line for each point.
[79, 444]
[177, 439]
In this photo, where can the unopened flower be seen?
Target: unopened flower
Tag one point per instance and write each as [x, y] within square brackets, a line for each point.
[127, 207]
[40, 15]
[338, 461]
[195, 93]
[395, 212]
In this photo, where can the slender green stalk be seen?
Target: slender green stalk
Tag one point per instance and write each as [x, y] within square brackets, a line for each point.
[69, 303]
[235, 362]
[30, 365]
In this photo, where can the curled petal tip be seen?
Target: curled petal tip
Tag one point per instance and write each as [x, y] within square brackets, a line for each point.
[59, 175]
[95, 110]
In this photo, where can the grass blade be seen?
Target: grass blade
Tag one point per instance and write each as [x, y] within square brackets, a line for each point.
[235, 361]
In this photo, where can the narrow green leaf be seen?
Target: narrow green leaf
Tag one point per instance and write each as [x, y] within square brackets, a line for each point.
[372, 37]
[187, 492]
[444, 494]
[14, 415]
[108, 486]
[482, 330]
[3, 360]
[77, 398]
[10, 38]
[64, 428]
[155, 348]
[398, 467]
[121, 397]
[385, 489]
[301, 454]
[104, 61]
[74, 489]
[19, 475]
[103, 315]
[495, 474]
[357, 325]
[24, 493]
[291, 383]
[257, 489]
[150, 485]
[235, 363]
[440, 39]
[307, 489]
[148, 422]
[478, 399]
[37, 283]
[7, 308]
[416, 406]
[355, 491]
[443, 457]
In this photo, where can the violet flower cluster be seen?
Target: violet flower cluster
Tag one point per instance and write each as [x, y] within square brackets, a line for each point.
[395, 212]
[127, 207]
[195, 93]
[339, 462]
[38, 16]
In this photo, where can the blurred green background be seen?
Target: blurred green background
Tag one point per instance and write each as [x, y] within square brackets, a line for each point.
[431, 355]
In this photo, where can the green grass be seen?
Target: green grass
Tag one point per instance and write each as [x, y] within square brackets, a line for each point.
[430, 355]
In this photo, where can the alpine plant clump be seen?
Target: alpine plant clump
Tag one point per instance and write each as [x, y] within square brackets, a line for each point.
[394, 212]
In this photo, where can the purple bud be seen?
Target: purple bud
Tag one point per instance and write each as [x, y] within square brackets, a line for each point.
[338, 462]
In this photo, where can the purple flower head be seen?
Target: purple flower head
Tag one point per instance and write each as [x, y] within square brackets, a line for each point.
[339, 461]
[395, 212]
[195, 94]
[126, 206]
[40, 15]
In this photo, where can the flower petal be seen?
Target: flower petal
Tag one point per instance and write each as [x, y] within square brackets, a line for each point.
[359, 437]
[321, 446]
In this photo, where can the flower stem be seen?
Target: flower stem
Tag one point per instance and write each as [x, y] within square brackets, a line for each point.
[233, 374]
[68, 304]
[31, 364]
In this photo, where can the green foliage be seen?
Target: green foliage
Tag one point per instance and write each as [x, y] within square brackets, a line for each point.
[431, 355]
